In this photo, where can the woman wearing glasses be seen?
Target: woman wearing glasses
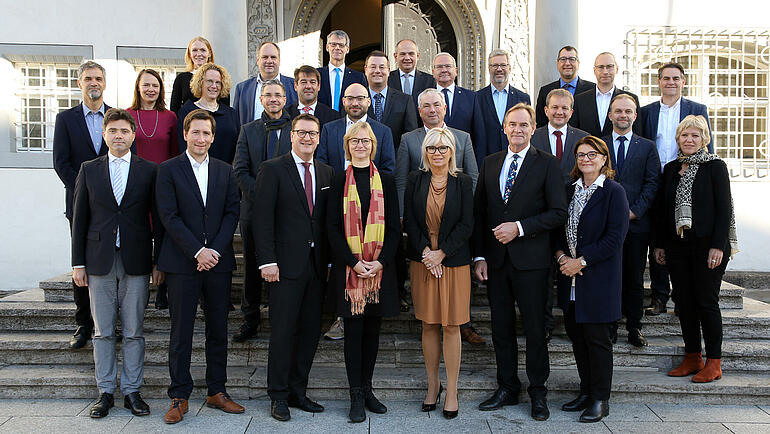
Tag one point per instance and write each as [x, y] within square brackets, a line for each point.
[438, 220]
[589, 251]
[364, 231]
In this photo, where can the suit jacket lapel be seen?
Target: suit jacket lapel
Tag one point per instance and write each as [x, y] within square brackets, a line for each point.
[684, 109]
[490, 100]
[81, 122]
[654, 115]
[494, 174]
[595, 198]
[294, 176]
[106, 179]
[132, 177]
[631, 152]
[389, 102]
[451, 186]
[422, 195]
[187, 170]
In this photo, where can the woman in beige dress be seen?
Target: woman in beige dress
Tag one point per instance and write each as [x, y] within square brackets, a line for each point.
[438, 219]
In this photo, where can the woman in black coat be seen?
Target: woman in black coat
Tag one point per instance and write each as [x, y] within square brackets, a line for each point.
[355, 278]
[199, 53]
[695, 236]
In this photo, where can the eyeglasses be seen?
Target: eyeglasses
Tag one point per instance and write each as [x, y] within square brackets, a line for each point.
[567, 59]
[444, 66]
[591, 156]
[355, 98]
[302, 133]
[440, 149]
[609, 67]
[356, 141]
[498, 66]
[212, 83]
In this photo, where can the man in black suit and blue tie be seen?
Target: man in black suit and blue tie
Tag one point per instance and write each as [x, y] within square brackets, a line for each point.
[407, 78]
[389, 106]
[637, 168]
[336, 77]
[459, 100]
[307, 83]
[568, 64]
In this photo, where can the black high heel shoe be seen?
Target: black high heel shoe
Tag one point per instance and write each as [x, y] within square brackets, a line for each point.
[450, 414]
[431, 407]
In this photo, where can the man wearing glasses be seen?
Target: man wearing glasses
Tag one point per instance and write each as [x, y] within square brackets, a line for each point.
[567, 63]
[336, 77]
[459, 100]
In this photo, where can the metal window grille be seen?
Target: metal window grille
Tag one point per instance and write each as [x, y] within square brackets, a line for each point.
[726, 69]
[45, 89]
[167, 73]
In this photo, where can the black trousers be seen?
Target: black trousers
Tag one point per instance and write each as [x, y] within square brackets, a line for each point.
[252, 278]
[592, 348]
[553, 276]
[184, 290]
[82, 301]
[659, 280]
[634, 261]
[295, 321]
[362, 341]
[696, 293]
[507, 287]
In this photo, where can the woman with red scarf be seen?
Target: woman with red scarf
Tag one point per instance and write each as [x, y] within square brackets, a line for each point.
[364, 230]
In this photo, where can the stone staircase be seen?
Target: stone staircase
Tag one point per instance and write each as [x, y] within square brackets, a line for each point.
[36, 362]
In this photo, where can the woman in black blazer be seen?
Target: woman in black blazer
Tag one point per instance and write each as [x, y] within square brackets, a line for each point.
[590, 252]
[438, 220]
[362, 317]
[695, 236]
[199, 53]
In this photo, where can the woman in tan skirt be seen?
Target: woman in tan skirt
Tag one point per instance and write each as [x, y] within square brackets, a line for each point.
[438, 219]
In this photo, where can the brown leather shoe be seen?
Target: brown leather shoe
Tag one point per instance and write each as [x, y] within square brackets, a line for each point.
[712, 371]
[692, 363]
[469, 335]
[223, 402]
[177, 410]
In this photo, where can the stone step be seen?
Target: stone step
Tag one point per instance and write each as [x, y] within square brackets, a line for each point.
[398, 350]
[391, 383]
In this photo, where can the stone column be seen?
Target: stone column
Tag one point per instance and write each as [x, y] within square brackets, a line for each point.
[224, 25]
[556, 25]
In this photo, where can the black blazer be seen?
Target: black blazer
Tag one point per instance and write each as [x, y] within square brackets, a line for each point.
[540, 140]
[536, 201]
[190, 224]
[422, 81]
[349, 76]
[711, 205]
[639, 178]
[97, 217]
[540, 117]
[649, 114]
[490, 137]
[461, 114]
[586, 115]
[286, 228]
[456, 220]
[72, 147]
[225, 137]
[250, 152]
[323, 112]
[399, 115]
[342, 257]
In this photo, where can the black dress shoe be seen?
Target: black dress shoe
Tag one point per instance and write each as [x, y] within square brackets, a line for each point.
[548, 336]
[134, 402]
[540, 409]
[595, 411]
[614, 334]
[81, 336]
[636, 338]
[450, 414]
[305, 404]
[280, 410]
[161, 298]
[103, 405]
[655, 308]
[501, 398]
[577, 404]
[246, 332]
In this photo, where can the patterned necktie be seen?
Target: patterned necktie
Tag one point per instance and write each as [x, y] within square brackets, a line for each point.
[336, 96]
[446, 100]
[308, 186]
[378, 107]
[511, 177]
[117, 188]
[621, 158]
[559, 145]
[407, 84]
[307, 109]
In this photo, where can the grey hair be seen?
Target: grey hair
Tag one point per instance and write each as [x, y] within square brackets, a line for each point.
[443, 53]
[339, 34]
[426, 92]
[90, 64]
[273, 82]
[499, 52]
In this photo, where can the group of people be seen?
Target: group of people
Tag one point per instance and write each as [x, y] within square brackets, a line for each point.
[325, 172]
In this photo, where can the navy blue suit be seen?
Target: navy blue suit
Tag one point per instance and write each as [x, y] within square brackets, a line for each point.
[489, 136]
[245, 92]
[461, 115]
[331, 152]
[649, 114]
[349, 76]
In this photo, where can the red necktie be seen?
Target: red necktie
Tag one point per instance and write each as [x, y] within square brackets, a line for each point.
[559, 144]
[308, 186]
[307, 109]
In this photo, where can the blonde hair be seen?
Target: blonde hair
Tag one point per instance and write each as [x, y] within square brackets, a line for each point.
[196, 84]
[699, 123]
[188, 58]
[436, 137]
[352, 132]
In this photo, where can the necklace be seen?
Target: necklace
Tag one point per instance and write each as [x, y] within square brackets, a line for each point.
[200, 104]
[139, 118]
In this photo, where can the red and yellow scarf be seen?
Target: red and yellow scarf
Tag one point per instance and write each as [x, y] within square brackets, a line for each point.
[364, 244]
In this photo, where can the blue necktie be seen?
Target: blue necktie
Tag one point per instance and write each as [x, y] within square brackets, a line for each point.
[117, 189]
[446, 100]
[511, 177]
[272, 140]
[621, 158]
[378, 107]
[336, 98]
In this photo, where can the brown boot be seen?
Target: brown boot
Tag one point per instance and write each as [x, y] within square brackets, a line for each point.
[177, 410]
[223, 402]
[712, 371]
[692, 363]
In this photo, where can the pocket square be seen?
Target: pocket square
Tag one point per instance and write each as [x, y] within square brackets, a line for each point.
[325, 188]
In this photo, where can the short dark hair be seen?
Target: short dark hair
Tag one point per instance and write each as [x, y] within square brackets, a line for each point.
[199, 114]
[600, 147]
[376, 53]
[568, 48]
[306, 117]
[118, 114]
[307, 70]
[670, 65]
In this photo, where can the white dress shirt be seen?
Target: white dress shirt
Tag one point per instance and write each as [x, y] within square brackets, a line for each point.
[603, 104]
[125, 166]
[665, 139]
[616, 145]
[552, 138]
[201, 172]
[451, 89]
[333, 75]
[300, 108]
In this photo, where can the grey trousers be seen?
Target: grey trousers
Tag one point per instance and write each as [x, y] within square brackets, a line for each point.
[113, 293]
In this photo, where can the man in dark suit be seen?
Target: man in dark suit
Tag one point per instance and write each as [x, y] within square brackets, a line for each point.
[356, 104]
[567, 63]
[259, 140]
[460, 101]
[307, 82]
[112, 255]
[637, 168]
[197, 199]
[77, 138]
[407, 78]
[292, 251]
[491, 104]
[246, 96]
[659, 121]
[558, 138]
[336, 77]
[592, 107]
[519, 200]
[389, 106]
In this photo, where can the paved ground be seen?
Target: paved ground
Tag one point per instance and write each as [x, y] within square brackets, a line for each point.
[71, 416]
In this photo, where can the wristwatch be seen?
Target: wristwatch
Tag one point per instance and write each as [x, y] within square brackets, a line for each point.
[583, 262]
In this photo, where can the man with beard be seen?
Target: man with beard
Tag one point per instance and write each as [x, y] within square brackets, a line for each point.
[307, 82]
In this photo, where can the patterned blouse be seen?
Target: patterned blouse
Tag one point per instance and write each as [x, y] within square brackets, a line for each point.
[576, 206]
